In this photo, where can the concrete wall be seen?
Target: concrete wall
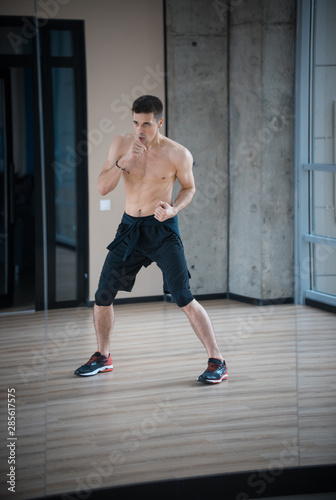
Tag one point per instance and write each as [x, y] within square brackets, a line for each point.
[231, 100]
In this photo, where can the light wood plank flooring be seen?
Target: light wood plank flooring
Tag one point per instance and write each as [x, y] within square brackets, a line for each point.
[149, 419]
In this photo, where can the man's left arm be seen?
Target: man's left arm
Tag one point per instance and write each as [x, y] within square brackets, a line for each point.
[185, 176]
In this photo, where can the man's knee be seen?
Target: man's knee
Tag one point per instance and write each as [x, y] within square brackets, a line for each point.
[104, 297]
[182, 297]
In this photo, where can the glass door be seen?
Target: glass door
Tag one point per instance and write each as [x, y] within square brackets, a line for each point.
[46, 244]
[64, 101]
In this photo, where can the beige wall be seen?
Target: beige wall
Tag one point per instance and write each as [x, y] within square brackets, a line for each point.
[124, 48]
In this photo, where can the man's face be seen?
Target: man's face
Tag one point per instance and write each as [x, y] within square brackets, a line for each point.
[146, 127]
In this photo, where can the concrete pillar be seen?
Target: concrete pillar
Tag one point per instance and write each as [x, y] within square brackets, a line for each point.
[262, 51]
[198, 119]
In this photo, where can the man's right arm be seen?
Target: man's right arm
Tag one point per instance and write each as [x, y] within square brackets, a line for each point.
[110, 174]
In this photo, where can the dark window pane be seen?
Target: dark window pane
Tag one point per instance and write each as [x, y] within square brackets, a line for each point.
[16, 40]
[3, 195]
[61, 43]
[65, 183]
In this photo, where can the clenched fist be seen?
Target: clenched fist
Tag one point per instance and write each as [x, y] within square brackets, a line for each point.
[134, 151]
[164, 211]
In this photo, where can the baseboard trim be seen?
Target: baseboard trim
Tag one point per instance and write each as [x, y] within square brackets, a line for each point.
[320, 305]
[201, 297]
[260, 302]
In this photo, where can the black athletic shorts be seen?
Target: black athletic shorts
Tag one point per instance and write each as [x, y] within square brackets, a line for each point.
[139, 241]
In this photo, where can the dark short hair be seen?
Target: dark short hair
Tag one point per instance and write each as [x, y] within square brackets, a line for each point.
[148, 104]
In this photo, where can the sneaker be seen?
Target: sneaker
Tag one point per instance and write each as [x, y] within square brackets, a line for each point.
[215, 373]
[97, 363]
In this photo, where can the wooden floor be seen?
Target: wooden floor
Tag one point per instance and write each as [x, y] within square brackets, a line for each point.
[149, 419]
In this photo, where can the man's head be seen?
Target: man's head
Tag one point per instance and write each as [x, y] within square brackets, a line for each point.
[147, 118]
[148, 104]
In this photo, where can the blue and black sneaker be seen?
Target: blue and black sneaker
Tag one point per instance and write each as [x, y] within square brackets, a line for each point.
[215, 373]
[97, 363]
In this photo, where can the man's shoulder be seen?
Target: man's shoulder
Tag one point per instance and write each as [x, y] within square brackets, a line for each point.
[123, 138]
[173, 145]
[177, 151]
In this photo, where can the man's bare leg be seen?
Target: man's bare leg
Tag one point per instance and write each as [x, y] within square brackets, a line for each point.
[103, 318]
[202, 326]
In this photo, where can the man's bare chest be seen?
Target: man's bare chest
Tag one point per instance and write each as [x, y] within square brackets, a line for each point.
[149, 169]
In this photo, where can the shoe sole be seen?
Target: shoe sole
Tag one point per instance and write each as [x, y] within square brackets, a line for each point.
[103, 369]
[208, 381]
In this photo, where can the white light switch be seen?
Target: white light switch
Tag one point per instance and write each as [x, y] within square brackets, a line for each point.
[105, 205]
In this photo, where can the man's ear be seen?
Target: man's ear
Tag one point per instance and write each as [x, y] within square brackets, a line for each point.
[161, 122]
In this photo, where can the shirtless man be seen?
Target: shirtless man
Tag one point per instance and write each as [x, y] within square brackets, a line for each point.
[149, 164]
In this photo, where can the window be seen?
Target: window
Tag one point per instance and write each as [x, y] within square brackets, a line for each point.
[316, 153]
